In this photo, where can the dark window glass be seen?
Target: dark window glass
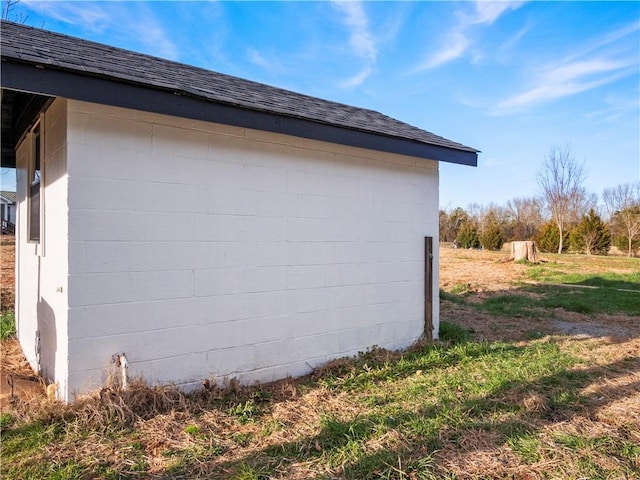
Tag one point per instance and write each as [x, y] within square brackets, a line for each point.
[34, 187]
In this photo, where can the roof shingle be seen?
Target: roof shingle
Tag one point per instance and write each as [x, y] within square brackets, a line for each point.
[53, 50]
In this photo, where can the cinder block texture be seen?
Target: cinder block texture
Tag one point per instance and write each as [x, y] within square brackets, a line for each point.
[202, 250]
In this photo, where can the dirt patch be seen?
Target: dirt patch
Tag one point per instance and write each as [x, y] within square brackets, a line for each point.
[16, 376]
[17, 379]
[7, 272]
[590, 330]
[478, 270]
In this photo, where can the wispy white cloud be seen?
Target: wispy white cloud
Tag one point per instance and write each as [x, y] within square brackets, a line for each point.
[568, 80]
[596, 63]
[488, 12]
[453, 47]
[98, 18]
[257, 58]
[155, 39]
[508, 49]
[264, 61]
[358, 79]
[361, 40]
[456, 42]
[616, 107]
[606, 40]
[90, 16]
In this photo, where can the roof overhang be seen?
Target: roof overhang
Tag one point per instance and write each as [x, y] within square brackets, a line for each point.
[19, 112]
[45, 81]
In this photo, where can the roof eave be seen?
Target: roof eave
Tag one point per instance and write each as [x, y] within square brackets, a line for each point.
[45, 80]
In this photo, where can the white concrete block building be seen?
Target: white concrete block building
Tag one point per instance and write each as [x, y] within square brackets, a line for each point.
[208, 226]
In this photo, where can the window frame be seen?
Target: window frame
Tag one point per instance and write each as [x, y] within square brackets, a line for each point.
[35, 183]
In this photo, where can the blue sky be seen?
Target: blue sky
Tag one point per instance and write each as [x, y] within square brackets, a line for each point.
[511, 79]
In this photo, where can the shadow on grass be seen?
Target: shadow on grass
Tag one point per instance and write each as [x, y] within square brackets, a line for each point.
[404, 436]
[608, 283]
[359, 447]
[592, 296]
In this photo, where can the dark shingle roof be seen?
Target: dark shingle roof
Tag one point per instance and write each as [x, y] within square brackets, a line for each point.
[61, 52]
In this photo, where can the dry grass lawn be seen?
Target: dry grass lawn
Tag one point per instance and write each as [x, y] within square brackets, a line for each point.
[538, 391]
[7, 271]
[606, 344]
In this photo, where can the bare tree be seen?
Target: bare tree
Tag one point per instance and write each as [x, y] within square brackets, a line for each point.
[526, 216]
[476, 212]
[623, 204]
[450, 223]
[561, 181]
[7, 8]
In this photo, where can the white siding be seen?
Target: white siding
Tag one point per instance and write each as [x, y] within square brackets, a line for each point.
[41, 271]
[206, 250]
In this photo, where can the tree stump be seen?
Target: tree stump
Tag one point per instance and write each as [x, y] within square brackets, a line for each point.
[524, 251]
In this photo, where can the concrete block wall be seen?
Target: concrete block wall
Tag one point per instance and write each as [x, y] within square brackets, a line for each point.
[41, 268]
[202, 250]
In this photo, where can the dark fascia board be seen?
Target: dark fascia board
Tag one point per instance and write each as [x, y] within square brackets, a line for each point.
[47, 81]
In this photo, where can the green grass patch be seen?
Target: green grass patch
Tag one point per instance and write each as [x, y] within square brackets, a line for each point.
[453, 333]
[252, 472]
[539, 300]
[527, 446]
[513, 305]
[192, 429]
[7, 325]
[587, 300]
[22, 452]
[606, 280]
[451, 297]
[398, 410]
[6, 419]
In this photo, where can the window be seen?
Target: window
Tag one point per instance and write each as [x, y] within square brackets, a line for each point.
[35, 163]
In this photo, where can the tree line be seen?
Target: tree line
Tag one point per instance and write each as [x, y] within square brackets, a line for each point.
[562, 217]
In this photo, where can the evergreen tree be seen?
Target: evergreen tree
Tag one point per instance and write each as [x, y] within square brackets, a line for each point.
[491, 237]
[468, 236]
[591, 235]
[548, 238]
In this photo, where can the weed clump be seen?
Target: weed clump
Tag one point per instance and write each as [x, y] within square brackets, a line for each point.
[7, 325]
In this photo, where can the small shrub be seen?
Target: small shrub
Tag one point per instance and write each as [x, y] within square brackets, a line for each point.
[244, 411]
[468, 236]
[7, 325]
